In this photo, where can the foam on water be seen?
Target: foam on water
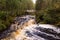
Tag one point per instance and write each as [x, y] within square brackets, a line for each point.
[33, 34]
[32, 31]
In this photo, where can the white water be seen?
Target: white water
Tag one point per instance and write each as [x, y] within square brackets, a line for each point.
[29, 31]
[32, 31]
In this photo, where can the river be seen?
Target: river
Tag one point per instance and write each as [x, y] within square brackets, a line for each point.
[25, 28]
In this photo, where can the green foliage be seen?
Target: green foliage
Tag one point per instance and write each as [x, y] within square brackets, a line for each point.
[2, 26]
[48, 12]
[9, 9]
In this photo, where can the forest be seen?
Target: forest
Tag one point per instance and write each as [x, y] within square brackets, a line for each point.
[9, 9]
[47, 11]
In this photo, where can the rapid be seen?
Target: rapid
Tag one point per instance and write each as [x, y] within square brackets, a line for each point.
[25, 28]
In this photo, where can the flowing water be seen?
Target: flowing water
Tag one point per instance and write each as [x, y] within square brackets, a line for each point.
[26, 29]
[42, 32]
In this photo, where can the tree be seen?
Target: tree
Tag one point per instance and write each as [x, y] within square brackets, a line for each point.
[9, 9]
[48, 11]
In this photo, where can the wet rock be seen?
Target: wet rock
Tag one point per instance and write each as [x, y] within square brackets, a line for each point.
[29, 34]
